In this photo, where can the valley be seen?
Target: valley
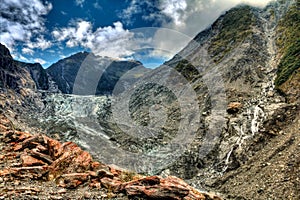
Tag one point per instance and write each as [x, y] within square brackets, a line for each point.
[222, 114]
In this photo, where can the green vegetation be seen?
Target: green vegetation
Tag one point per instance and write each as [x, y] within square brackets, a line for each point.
[288, 41]
[127, 176]
[187, 70]
[235, 27]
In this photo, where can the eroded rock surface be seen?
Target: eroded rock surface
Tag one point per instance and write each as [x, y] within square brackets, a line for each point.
[37, 157]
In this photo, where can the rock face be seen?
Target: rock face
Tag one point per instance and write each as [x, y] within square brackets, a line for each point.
[70, 166]
[38, 74]
[91, 71]
[12, 76]
[17, 87]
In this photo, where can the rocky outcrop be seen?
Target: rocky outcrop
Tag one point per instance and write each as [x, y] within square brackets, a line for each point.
[69, 166]
[38, 74]
[12, 76]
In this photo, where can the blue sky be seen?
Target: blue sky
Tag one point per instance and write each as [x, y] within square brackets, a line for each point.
[149, 31]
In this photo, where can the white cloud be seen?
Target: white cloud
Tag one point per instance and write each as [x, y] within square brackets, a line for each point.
[21, 58]
[97, 5]
[113, 41]
[39, 60]
[132, 9]
[22, 20]
[79, 2]
[188, 17]
[175, 10]
[63, 13]
[138, 7]
[192, 16]
[39, 43]
[27, 51]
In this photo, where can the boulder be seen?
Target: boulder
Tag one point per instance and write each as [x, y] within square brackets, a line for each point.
[234, 107]
[28, 161]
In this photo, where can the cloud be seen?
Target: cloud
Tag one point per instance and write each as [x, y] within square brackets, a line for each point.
[188, 17]
[22, 20]
[63, 13]
[79, 2]
[21, 58]
[97, 5]
[39, 43]
[39, 60]
[149, 10]
[175, 10]
[27, 51]
[113, 41]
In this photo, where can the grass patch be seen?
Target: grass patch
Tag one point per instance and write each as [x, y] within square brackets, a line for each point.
[288, 42]
[186, 69]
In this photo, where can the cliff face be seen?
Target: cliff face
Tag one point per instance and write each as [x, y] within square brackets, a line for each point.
[37, 73]
[12, 76]
[17, 85]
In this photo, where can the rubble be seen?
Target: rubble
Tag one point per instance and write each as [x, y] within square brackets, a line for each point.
[43, 158]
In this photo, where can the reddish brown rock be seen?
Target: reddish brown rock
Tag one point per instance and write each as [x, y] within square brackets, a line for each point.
[41, 148]
[96, 165]
[41, 156]
[3, 128]
[31, 172]
[28, 161]
[95, 184]
[22, 135]
[115, 170]
[70, 166]
[72, 180]
[104, 173]
[72, 160]
[234, 107]
[113, 184]
[54, 147]
[30, 142]
[156, 188]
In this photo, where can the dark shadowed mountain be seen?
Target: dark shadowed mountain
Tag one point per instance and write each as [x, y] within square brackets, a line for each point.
[91, 71]
[38, 74]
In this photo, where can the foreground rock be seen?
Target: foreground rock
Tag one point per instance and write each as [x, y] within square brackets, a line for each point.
[38, 157]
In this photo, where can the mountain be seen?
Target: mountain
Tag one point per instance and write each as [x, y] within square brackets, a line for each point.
[11, 75]
[103, 72]
[37, 73]
[244, 70]
[222, 114]
[17, 86]
[33, 165]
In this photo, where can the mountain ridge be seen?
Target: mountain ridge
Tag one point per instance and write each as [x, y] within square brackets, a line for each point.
[246, 84]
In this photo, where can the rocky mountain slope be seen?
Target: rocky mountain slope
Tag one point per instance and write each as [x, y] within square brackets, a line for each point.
[90, 69]
[222, 114]
[33, 166]
[245, 72]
